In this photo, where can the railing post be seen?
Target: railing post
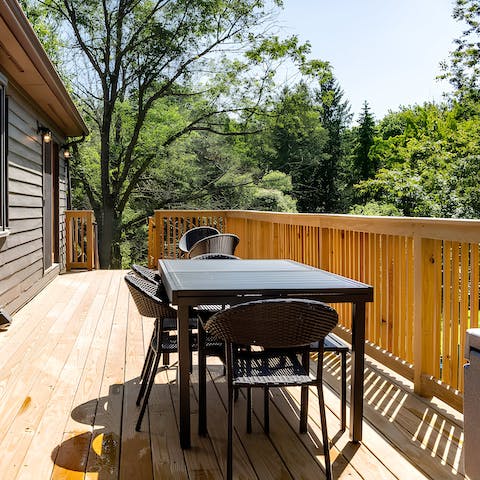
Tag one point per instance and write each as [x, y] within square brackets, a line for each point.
[90, 245]
[151, 242]
[424, 313]
[158, 233]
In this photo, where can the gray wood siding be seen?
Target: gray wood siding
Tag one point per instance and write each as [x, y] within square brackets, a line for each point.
[63, 189]
[21, 253]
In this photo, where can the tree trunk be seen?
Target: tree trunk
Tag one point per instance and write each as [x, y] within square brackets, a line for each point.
[109, 237]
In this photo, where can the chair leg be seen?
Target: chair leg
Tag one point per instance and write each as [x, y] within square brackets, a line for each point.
[323, 421]
[150, 382]
[166, 359]
[202, 382]
[149, 355]
[266, 410]
[143, 385]
[230, 433]
[343, 395]
[147, 364]
[304, 410]
[249, 410]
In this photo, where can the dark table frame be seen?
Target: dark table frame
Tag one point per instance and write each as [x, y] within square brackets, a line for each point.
[226, 282]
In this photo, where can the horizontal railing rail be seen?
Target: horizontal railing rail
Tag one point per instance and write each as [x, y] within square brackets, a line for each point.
[425, 274]
[81, 239]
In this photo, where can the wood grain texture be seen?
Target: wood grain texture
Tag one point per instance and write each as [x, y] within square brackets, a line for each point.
[67, 393]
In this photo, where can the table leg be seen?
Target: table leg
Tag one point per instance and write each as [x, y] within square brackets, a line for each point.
[357, 365]
[184, 374]
[202, 381]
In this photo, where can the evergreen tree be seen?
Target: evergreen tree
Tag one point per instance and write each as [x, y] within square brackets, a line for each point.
[308, 142]
[298, 143]
[364, 163]
[334, 117]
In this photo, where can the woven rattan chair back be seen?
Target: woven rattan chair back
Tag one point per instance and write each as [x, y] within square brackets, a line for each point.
[224, 243]
[192, 236]
[146, 273]
[215, 256]
[144, 294]
[275, 323]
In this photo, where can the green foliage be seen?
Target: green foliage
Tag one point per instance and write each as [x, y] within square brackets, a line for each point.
[180, 119]
[150, 73]
[304, 138]
[46, 29]
[463, 68]
[429, 158]
[376, 209]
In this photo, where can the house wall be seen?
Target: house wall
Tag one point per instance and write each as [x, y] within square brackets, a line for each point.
[22, 272]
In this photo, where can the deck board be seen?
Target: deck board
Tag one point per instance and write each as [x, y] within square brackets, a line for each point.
[69, 367]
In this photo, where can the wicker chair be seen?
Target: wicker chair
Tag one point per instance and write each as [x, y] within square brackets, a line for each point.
[192, 236]
[169, 323]
[149, 304]
[286, 329]
[224, 243]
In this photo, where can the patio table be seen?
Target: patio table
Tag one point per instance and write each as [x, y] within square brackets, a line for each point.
[189, 283]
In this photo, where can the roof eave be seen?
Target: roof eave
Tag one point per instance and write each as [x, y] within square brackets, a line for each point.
[57, 104]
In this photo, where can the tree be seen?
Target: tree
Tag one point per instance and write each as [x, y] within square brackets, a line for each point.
[335, 116]
[46, 29]
[306, 140]
[209, 59]
[365, 165]
[298, 142]
[463, 69]
[429, 157]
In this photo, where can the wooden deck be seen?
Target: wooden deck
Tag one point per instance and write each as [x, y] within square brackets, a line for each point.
[69, 369]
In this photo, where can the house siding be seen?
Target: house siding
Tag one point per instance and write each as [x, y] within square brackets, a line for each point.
[22, 272]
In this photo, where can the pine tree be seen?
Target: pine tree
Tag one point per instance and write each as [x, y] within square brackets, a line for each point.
[365, 166]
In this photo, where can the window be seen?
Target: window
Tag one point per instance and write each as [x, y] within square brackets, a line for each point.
[3, 156]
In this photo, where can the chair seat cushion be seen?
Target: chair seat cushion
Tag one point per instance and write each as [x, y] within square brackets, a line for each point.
[269, 368]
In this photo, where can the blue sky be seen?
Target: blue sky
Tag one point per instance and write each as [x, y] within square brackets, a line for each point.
[384, 51]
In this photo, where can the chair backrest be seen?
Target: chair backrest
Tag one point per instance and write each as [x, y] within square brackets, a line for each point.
[225, 243]
[276, 323]
[146, 298]
[192, 236]
[215, 256]
[147, 273]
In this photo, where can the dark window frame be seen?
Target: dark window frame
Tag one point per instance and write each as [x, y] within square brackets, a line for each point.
[3, 156]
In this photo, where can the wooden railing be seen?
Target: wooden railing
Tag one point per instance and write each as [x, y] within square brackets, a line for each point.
[425, 274]
[81, 238]
[167, 226]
